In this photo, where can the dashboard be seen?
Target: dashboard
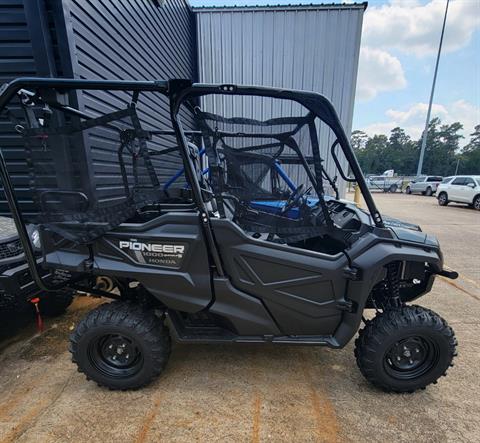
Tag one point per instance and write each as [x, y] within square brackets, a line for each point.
[343, 216]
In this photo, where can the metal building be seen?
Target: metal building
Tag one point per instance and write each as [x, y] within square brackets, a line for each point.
[310, 47]
[304, 47]
[94, 39]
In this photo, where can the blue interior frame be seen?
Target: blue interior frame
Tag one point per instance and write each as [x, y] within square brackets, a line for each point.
[270, 206]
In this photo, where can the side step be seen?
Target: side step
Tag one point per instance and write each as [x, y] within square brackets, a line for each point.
[209, 333]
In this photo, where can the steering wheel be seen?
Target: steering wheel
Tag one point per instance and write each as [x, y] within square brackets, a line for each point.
[294, 199]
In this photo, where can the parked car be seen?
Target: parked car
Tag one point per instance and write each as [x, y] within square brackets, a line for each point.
[460, 189]
[384, 183]
[425, 185]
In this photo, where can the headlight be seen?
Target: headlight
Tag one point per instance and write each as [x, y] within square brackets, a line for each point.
[35, 236]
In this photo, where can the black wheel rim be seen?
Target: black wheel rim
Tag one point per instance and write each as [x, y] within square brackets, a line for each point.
[411, 358]
[115, 355]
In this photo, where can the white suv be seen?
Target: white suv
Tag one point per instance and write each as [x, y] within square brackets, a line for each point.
[460, 189]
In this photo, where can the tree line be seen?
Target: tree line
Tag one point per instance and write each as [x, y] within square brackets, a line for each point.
[398, 151]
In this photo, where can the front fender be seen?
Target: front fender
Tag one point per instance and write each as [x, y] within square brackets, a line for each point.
[370, 262]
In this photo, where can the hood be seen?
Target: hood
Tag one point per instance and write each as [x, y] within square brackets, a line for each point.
[415, 236]
[409, 232]
[390, 222]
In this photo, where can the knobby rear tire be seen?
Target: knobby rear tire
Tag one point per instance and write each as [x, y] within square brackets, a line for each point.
[144, 333]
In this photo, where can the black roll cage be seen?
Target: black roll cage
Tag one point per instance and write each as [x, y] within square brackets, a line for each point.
[178, 91]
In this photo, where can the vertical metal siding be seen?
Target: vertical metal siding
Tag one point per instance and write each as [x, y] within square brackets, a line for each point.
[309, 48]
[131, 39]
[106, 39]
[16, 54]
[17, 59]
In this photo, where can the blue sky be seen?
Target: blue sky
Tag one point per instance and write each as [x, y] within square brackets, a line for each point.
[398, 50]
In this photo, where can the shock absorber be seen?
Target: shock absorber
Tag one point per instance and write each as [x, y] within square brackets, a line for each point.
[394, 300]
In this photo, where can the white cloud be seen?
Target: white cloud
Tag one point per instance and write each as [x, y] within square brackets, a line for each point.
[378, 71]
[412, 119]
[414, 28]
[378, 128]
[465, 113]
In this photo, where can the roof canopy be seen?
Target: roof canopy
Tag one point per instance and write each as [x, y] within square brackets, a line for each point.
[278, 7]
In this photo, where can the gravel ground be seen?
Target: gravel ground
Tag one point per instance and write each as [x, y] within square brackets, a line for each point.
[258, 392]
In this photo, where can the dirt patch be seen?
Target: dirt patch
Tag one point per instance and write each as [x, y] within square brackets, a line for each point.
[47, 345]
[54, 340]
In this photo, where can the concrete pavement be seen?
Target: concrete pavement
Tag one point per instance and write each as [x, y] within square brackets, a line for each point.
[256, 393]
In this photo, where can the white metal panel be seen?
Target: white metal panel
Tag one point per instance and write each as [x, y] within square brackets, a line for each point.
[313, 47]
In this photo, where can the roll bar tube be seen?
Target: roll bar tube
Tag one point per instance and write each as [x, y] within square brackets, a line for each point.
[22, 230]
[177, 89]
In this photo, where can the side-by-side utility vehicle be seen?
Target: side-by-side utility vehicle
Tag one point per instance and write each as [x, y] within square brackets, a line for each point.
[225, 226]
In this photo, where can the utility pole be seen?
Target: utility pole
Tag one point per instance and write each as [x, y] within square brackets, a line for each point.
[427, 122]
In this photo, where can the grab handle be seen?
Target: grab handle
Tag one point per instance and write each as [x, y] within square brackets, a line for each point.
[337, 163]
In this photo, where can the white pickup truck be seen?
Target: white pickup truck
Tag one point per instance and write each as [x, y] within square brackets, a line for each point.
[425, 184]
[384, 183]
